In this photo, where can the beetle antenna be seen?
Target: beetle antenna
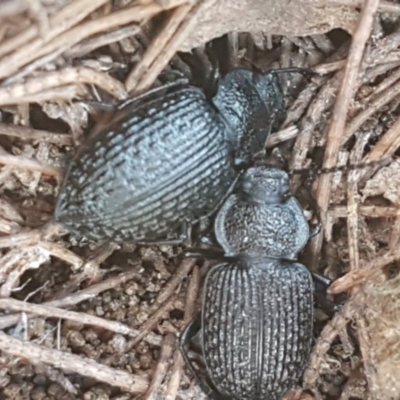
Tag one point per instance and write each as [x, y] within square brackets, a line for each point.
[342, 168]
[306, 72]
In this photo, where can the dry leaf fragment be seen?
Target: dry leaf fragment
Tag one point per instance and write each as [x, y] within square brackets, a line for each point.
[276, 17]
[386, 183]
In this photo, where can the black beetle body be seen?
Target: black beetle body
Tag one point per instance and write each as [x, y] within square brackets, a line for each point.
[257, 321]
[257, 315]
[238, 99]
[167, 159]
[261, 217]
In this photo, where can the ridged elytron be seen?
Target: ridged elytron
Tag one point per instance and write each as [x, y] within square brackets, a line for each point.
[168, 158]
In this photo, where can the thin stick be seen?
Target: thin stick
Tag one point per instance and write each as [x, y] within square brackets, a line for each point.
[69, 362]
[84, 295]
[93, 43]
[367, 353]
[9, 227]
[366, 211]
[353, 202]
[61, 21]
[66, 40]
[172, 46]
[61, 93]
[386, 83]
[384, 6]
[157, 45]
[338, 122]
[152, 321]
[8, 211]
[59, 251]
[367, 271]
[387, 144]
[12, 94]
[167, 348]
[328, 68]
[26, 133]
[31, 165]
[373, 106]
[323, 344]
[180, 274]
[177, 369]
[52, 312]
[27, 237]
[282, 136]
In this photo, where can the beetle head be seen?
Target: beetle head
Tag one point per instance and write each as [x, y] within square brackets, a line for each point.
[251, 104]
[265, 184]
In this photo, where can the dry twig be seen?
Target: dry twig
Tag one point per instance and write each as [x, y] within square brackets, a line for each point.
[157, 45]
[338, 121]
[365, 211]
[70, 362]
[31, 165]
[152, 321]
[19, 92]
[180, 274]
[167, 348]
[366, 272]
[189, 18]
[176, 373]
[323, 344]
[26, 133]
[52, 312]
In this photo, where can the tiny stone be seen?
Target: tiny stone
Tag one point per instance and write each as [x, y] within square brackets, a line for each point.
[68, 324]
[4, 380]
[11, 391]
[96, 394]
[55, 390]
[106, 297]
[132, 289]
[38, 393]
[133, 301]
[76, 339]
[91, 336]
[123, 397]
[142, 348]
[99, 311]
[118, 343]
[142, 317]
[146, 361]
[40, 380]
[114, 305]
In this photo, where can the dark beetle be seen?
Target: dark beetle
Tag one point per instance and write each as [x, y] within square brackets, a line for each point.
[168, 158]
[257, 315]
[256, 327]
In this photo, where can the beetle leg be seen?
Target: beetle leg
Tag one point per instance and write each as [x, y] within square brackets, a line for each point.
[183, 238]
[191, 330]
[306, 72]
[219, 204]
[172, 242]
[171, 75]
[195, 252]
[188, 334]
[208, 240]
[213, 76]
[186, 233]
[328, 306]
[100, 106]
[322, 280]
[315, 229]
